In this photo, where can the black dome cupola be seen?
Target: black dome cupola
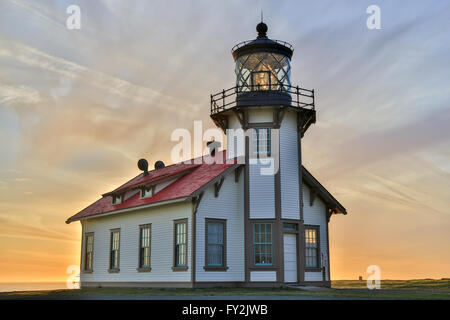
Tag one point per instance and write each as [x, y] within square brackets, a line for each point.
[262, 30]
[262, 44]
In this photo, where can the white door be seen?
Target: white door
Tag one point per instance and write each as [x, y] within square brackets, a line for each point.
[290, 257]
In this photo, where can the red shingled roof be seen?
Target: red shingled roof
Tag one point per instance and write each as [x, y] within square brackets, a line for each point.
[195, 176]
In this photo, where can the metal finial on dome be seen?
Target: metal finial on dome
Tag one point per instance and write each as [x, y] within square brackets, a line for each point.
[262, 30]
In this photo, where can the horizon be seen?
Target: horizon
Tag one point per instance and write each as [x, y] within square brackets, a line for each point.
[64, 281]
[78, 108]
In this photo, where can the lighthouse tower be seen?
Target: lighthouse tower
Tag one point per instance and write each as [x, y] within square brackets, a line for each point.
[273, 116]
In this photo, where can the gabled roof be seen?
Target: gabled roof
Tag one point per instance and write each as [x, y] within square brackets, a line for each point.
[322, 192]
[191, 177]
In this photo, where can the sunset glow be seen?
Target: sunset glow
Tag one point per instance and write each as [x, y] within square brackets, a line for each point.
[78, 108]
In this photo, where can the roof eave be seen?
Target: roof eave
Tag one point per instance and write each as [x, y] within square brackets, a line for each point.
[150, 205]
[323, 192]
[212, 181]
[161, 179]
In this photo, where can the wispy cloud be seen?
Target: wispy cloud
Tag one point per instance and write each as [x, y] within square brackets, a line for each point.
[30, 7]
[18, 229]
[68, 69]
[16, 95]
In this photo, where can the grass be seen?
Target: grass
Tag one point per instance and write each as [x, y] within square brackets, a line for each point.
[390, 289]
[418, 284]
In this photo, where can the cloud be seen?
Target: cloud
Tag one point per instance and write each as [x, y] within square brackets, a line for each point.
[18, 95]
[33, 57]
[17, 229]
[30, 8]
[382, 145]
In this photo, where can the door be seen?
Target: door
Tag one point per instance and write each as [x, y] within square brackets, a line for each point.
[290, 257]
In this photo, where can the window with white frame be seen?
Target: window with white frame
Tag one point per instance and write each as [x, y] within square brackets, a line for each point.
[180, 243]
[115, 250]
[144, 246]
[88, 252]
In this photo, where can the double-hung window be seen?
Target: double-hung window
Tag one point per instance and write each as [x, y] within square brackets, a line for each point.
[88, 252]
[115, 250]
[262, 244]
[180, 244]
[312, 246]
[144, 247]
[215, 244]
[261, 142]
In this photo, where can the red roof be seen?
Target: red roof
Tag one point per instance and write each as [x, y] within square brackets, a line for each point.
[195, 176]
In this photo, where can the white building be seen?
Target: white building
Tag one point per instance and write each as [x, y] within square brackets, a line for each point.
[230, 223]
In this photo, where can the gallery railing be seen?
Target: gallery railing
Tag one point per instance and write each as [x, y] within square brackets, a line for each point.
[297, 97]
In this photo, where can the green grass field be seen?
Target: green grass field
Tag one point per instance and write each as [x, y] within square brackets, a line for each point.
[420, 284]
[390, 289]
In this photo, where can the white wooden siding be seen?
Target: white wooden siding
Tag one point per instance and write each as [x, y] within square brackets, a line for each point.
[233, 123]
[265, 276]
[161, 219]
[258, 115]
[315, 215]
[289, 166]
[262, 193]
[228, 205]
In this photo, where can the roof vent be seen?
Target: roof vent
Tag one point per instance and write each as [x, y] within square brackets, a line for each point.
[143, 165]
[159, 165]
[213, 147]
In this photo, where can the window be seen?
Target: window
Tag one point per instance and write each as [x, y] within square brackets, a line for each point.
[288, 226]
[180, 250]
[117, 199]
[115, 251]
[261, 141]
[270, 70]
[88, 251]
[147, 192]
[262, 243]
[144, 247]
[215, 255]
[312, 246]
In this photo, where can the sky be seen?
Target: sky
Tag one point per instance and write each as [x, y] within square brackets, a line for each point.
[78, 108]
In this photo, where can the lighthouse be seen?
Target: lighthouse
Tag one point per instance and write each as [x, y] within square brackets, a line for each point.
[254, 218]
[274, 115]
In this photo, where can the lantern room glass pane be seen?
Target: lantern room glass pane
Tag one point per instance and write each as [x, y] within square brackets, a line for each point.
[262, 71]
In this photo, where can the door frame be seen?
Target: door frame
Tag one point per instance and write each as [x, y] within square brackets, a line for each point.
[296, 257]
[297, 233]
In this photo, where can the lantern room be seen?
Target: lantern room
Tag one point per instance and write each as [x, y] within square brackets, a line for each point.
[263, 79]
[263, 63]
